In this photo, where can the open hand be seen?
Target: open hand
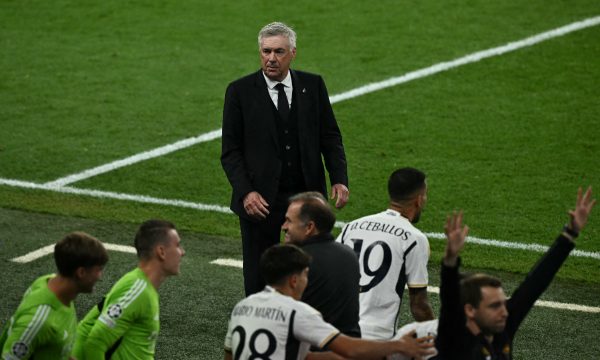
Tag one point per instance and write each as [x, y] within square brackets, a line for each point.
[583, 207]
[456, 234]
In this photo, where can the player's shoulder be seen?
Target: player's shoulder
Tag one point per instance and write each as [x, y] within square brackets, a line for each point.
[306, 76]
[417, 234]
[130, 287]
[272, 298]
[370, 217]
[39, 294]
[246, 80]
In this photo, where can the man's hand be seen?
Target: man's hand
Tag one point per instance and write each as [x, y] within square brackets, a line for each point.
[255, 205]
[341, 192]
[455, 235]
[416, 348]
[583, 207]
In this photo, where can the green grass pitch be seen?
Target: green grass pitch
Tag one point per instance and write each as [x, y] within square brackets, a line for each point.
[508, 139]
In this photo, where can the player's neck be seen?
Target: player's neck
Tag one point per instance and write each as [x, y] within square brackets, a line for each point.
[64, 289]
[153, 272]
[476, 330]
[407, 212]
[285, 290]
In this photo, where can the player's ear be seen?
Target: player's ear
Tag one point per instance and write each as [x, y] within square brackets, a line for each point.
[80, 272]
[160, 252]
[310, 228]
[469, 311]
[293, 281]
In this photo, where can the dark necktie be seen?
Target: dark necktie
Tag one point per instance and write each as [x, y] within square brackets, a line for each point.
[282, 102]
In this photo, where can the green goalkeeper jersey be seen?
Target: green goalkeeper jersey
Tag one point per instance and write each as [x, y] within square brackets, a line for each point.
[126, 327]
[41, 328]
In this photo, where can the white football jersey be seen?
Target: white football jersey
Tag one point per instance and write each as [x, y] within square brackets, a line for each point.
[425, 328]
[392, 253]
[270, 325]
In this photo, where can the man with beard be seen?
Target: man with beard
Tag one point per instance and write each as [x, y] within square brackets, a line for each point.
[477, 320]
[392, 253]
[334, 274]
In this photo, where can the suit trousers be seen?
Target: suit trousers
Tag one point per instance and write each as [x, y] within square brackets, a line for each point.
[258, 236]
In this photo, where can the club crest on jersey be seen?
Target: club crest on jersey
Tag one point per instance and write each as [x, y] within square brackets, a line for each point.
[114, 311]
[20, 349]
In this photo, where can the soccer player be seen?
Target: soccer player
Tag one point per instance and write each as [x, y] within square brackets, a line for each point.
[44, 325]
[334, 274]
[274, 324]
[477, 321]
[126, 324]
[392, 253]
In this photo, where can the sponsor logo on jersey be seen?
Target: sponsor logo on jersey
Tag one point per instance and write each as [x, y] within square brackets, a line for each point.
[20, 349]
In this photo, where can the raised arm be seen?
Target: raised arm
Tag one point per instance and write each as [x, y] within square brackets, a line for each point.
[543, 272]
[452, 317]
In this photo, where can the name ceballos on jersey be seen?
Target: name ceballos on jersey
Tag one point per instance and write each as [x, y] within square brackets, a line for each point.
[269, 313]
[381, 227]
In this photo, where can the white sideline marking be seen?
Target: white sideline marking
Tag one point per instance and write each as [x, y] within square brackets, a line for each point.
[225, 210]
[146, 155]
[515, 245]
[34, 255]
[436, 290]
[228, 262]
[118, 196]
[362, 90]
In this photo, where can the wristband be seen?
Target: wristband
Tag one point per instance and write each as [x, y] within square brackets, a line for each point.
[572, 234]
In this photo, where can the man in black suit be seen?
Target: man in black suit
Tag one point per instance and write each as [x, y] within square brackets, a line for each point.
[278, 127]
[334, 276]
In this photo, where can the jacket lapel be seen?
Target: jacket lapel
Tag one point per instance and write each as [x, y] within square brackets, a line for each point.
[265, 106]
[300, 93]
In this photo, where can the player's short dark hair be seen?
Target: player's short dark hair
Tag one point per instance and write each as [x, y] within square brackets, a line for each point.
[470, 287]
[315, 208]
[279, 262]
[76, 250]
[150, 234]
[404, 183]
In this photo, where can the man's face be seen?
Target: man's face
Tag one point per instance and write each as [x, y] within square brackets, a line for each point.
[88, 276]
[276, 56]
[173, 253]
[296, 231]
[491, 314]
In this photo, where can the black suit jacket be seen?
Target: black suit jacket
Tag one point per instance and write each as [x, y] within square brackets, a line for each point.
[250, 153]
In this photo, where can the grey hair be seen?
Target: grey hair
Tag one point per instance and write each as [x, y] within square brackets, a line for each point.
[275, 29]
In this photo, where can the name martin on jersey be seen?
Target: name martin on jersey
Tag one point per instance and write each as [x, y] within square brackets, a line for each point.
[260, 312]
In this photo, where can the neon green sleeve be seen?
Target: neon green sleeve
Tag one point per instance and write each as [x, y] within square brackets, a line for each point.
[112, 324]
[26, 332]
[125, 318]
